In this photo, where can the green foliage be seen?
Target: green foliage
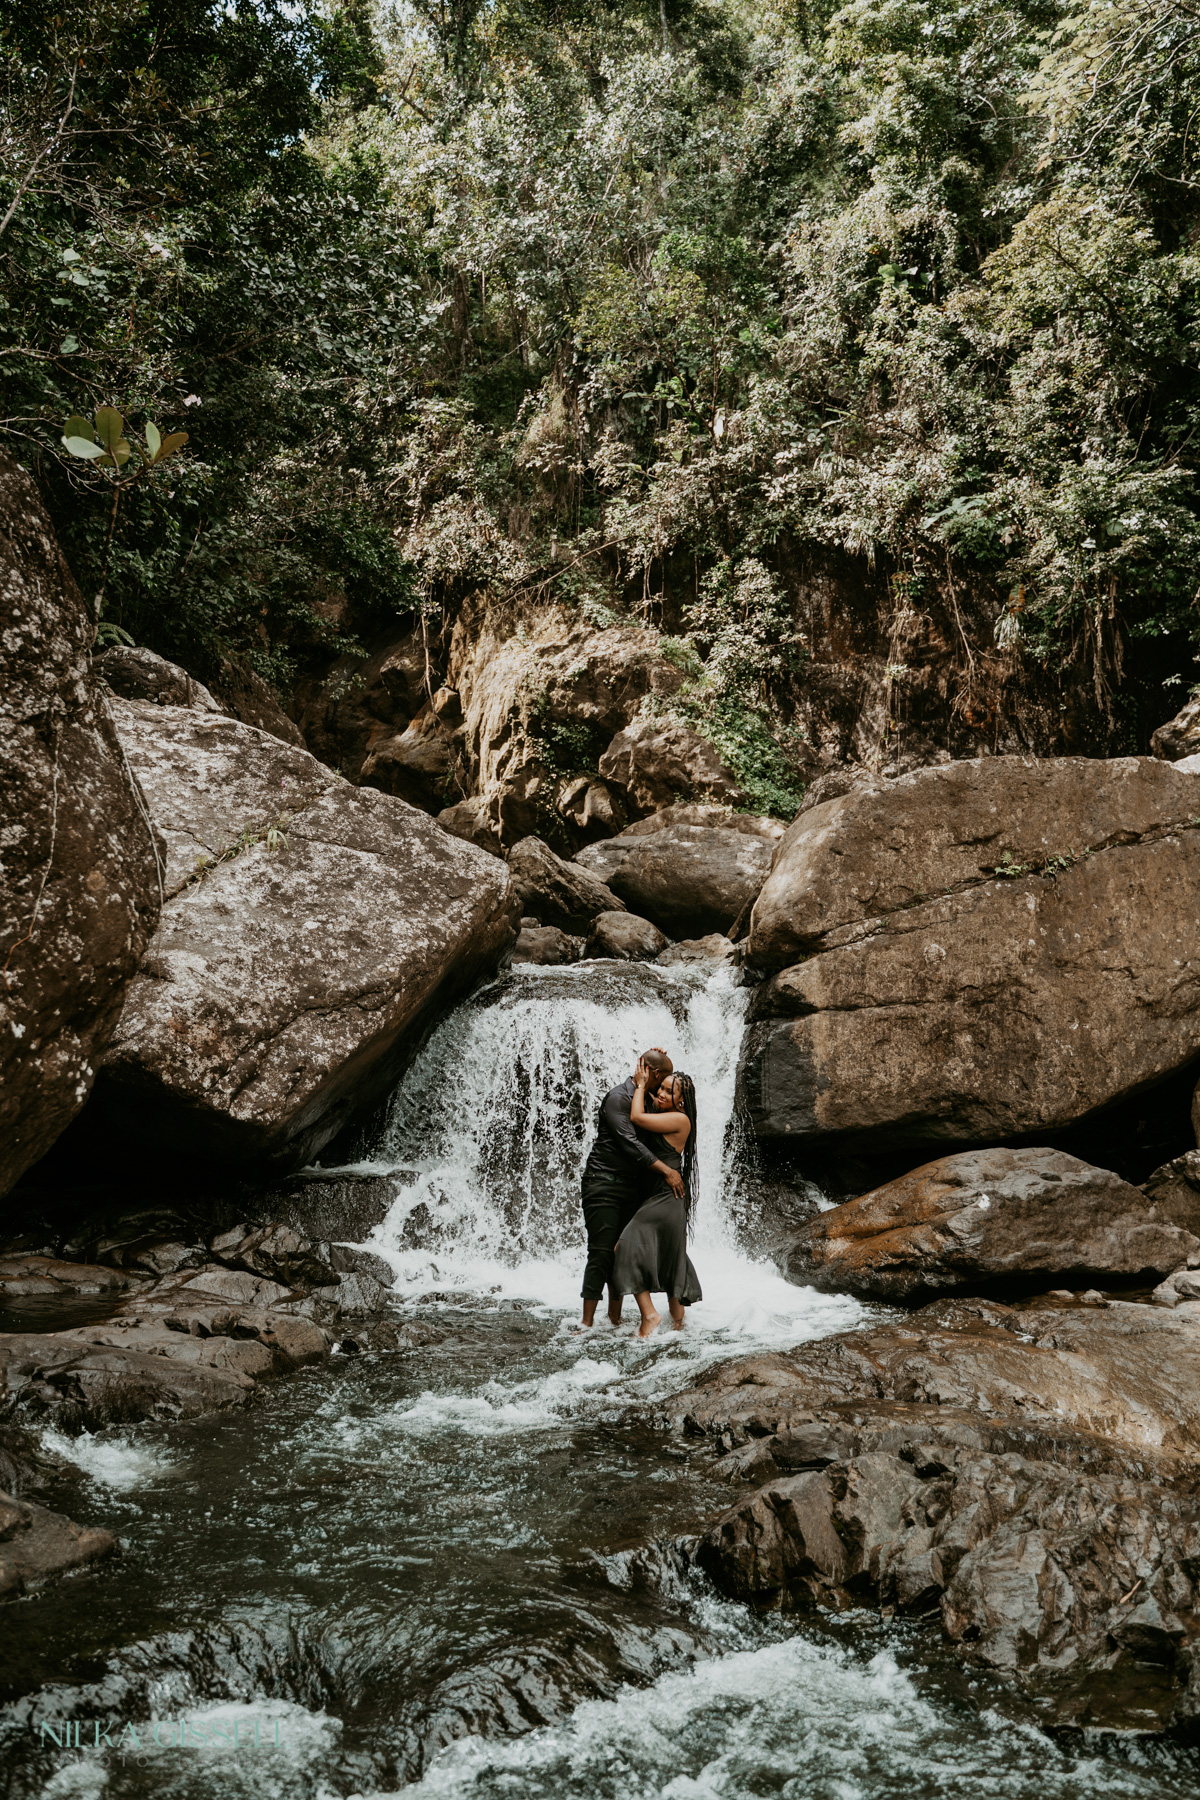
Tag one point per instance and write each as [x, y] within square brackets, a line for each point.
[563, 298]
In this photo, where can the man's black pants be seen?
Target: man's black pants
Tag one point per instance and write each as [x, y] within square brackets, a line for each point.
[607, 1208]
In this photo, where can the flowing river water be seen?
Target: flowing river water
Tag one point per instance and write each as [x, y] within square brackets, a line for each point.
[450, 1572]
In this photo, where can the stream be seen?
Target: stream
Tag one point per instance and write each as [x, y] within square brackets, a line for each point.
[450, 1571]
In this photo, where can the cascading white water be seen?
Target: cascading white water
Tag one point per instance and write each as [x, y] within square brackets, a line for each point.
[489, 1131]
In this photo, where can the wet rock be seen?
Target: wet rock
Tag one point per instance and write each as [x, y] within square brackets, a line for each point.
[421, 764]
[36, 1544]
[702, 952]
[332, 1207]
[545, 945]
[25, 1276]
[1181, 1286]
[938, 1000]
[347, 1259]
[136, 673]
[1033, 1569]
[1180, 736]
[691, 878]
[994, 1217]
[78, 888]
[624, 936]
[558, 892]
[311, 930]
[276, 1251]
[657, 764]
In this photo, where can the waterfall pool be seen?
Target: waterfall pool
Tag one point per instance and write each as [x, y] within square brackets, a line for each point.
[449, 1572]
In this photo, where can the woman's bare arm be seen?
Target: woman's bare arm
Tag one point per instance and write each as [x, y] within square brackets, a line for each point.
[672, 1125]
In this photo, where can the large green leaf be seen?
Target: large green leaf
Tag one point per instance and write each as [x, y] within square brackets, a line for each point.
[121, 452]
[81, 446]
[80, 428]
[109, 425]
[153, 439]
[175, 441]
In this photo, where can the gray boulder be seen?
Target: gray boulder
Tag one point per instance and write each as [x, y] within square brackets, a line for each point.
[980, 951]
[994, 1218]
[657, 763]
[546, 945]
[79, 890]
[699, 952]
[692, 870]
[136, 673]
[624, 936]
[557, 892]
[310, 932]
[36, 1544]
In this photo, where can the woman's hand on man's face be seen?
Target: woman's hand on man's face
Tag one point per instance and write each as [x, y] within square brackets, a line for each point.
[641, 1074]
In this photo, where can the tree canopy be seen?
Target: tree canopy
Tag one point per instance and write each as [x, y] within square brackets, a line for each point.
[614, 301]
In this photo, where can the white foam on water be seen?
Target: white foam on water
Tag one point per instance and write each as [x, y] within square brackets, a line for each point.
[114, 1462]
[797, 1719]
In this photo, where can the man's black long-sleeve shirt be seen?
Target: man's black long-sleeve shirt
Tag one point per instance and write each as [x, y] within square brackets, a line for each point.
[620, 1153]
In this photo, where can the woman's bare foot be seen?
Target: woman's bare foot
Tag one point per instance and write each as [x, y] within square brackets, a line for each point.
[677, 1313]
[650, 1323]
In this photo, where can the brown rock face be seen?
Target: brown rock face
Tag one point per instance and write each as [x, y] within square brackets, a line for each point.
[363, 699]
[311, 928]
[546, 945]
[557, 892]
[941, 1002]
[689, 878]
[36, 1544]
[994, 1217]
[1180, 736]
[419, 765]
[79, 888]
[658, 764]
[543, 695]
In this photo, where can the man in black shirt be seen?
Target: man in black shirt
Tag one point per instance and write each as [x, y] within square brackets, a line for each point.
[615, 1182]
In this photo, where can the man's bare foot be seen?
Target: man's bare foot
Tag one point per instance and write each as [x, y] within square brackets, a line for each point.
[650, 1324]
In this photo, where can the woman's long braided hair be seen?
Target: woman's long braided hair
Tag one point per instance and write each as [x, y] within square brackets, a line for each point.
[683, 1094]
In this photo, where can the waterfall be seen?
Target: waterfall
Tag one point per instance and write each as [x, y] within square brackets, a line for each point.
[488, 1133]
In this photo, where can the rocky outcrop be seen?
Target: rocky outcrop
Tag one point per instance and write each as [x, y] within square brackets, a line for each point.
[692, 870]
[656, 763]
[310, 930]
[1180, 736]
[700, 952]
[1027, 1476]
[243, 693]
[624, 937]
[78, 881]
[544, 694]
[977, 951]
[422, 764]
[364, 699]
[36, 1544]
[990, 1220]
[545, 945]
[136, 673]
[557, 892]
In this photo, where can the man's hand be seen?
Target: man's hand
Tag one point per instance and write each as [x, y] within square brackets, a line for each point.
[675, 1182]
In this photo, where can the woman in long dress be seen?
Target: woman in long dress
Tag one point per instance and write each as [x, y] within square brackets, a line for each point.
[651, 1253]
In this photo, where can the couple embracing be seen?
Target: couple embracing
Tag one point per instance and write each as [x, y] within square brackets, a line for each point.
[639, 1195]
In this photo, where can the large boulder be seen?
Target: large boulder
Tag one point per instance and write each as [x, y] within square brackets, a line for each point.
[78, 879]
[978, 951]
[557, 892]
[623, 937]
[659, 763]
[995, 1218]
[136, 673]
[311, 930]
[1180, 736]
[691, 869]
